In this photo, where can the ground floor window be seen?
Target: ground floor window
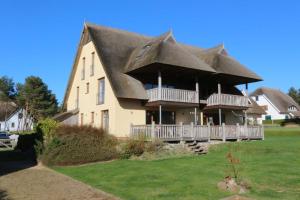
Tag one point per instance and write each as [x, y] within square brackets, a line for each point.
[268, 117]
[168, 117]
[105, 120]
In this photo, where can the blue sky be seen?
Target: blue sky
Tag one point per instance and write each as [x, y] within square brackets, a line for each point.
[40, 37]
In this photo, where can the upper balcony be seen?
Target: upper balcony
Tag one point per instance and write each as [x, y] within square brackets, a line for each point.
[173, 95]
[192, 97]
[216, 100]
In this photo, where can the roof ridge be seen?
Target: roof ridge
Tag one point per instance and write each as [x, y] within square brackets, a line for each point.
[92, 25]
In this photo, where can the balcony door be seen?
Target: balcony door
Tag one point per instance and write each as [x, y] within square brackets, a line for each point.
[168, 117]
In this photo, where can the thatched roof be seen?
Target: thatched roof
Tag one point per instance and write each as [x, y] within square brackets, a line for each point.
[279, 99]
[123, 53]
[6, 109]
[65, 115]
[255, 108]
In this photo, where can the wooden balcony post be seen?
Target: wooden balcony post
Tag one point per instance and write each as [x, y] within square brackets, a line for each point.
[195, 116]
[201, 118]
[192, 134]
[153, 129]
[238, 132]
[197, 90]
[160, 115]
[219, 101]
[246, 92]
[159, 85]
[223, 132]
[208, 127]
[181, 131]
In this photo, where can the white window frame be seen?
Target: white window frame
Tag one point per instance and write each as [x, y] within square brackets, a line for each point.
[101, 91]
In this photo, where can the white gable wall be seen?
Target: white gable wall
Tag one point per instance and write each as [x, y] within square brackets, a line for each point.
[272, 110]
[13, 123]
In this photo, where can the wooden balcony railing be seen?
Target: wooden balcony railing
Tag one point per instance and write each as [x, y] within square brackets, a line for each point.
[227, 100]
[174, 95]
[175, 132]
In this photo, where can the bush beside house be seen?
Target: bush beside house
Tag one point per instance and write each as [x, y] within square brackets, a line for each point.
[79, 144]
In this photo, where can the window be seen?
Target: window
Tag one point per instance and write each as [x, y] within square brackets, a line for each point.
[87, 88]
[92, 117]
[83, 69]
[292, 108]
[268, 117]
[13, 125]
[256, 98]
[81, 119]
[92, 64]
[105, 120]
[77, 98]
[101, 91]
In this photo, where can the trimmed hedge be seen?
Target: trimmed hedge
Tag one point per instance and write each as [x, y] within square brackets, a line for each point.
[78, 145]
[295, 121]
[275, 122]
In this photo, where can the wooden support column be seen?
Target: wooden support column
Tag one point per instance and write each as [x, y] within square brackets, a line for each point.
[219, 97]
[201, 118]
[160, 114]
[197, 90]
[246, 92]
[159, 85]
[195, 116]
[159, 95]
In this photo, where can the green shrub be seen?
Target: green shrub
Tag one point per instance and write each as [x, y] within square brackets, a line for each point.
[274, 122]
[137, 147]
[294, 121]
[46, 128]
[78, 145]
[133, 147]
[154, 146]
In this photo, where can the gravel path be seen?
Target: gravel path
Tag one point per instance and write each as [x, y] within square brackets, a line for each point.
[41, 183]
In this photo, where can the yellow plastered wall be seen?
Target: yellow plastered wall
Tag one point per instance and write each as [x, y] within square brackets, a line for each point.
[121, 112]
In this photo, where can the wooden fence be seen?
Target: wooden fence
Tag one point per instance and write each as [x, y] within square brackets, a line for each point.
[196, 132]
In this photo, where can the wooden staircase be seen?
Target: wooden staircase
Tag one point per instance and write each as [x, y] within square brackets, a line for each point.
[197, 147]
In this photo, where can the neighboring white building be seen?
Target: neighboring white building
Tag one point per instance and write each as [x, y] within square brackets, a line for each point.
[277, 104]
[17, 121]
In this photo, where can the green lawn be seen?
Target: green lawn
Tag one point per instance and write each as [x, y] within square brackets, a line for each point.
[272, 167]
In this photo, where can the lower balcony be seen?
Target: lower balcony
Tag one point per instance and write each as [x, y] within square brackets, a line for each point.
[227, 100]
[180, 132]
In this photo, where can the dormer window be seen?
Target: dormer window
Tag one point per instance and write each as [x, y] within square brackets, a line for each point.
[292, 108]
[92, 69]
[143, 51]
[83, 69]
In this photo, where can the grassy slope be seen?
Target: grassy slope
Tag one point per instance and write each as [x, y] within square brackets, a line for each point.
[271, 166]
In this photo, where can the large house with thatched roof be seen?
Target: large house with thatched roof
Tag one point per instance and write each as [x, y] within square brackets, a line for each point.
[130, 84]
[276, 104]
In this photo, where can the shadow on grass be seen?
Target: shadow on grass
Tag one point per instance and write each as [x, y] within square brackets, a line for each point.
[14, 160]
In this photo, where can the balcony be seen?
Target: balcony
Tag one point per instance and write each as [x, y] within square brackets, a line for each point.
[227, 100]
[173, 95]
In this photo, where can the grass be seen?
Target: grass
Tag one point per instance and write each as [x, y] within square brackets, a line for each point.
[272, 167]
